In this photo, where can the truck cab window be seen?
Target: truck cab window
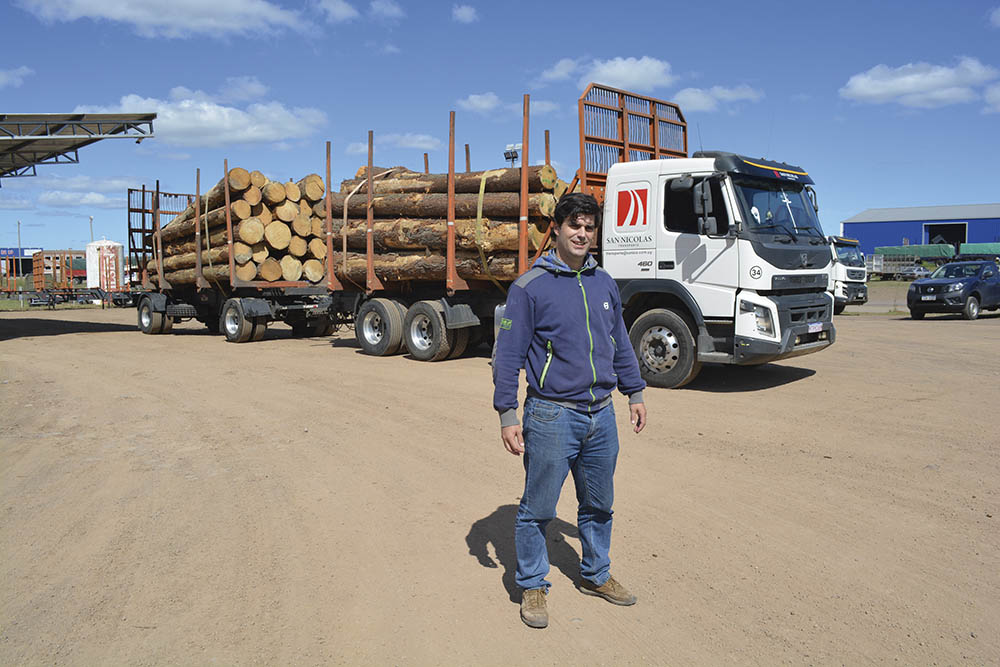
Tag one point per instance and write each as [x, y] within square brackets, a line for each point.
[678, 209]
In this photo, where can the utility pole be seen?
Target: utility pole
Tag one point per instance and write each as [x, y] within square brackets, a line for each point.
[20, 294]
[91, 229]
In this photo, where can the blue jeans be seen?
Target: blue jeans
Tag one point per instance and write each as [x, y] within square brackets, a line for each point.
[559, 440]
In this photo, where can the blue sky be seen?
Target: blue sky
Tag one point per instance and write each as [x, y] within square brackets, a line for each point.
[885, 104]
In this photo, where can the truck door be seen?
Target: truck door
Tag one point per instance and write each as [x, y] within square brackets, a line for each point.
[629, 239]
[707, 267]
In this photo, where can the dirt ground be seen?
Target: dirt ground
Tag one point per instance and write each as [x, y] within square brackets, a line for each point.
[181, 500]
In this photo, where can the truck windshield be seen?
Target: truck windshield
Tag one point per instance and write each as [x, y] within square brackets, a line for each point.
[850, 255]
[776, 207]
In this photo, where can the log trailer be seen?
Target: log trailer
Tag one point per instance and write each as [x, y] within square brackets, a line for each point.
[719, 258]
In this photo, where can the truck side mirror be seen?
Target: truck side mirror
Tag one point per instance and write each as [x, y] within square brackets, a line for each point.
[812, 198]
[708, 224]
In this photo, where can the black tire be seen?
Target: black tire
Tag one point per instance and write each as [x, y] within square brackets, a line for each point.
[259, 329]
[168, 324]
[150, 322]
[311, 328]
[378, 327]
[459, 341]
[839, 308]
[917, 315]
[234, 323]
[664, 345]
[424, 331]
[971, 310]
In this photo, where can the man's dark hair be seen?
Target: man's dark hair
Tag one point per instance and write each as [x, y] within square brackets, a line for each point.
[572, 204]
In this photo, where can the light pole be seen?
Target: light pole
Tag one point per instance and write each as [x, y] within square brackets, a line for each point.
[91, 229]
[20, 294]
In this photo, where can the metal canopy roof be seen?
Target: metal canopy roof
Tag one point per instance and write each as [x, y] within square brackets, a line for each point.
[920, 213]
[30, 139]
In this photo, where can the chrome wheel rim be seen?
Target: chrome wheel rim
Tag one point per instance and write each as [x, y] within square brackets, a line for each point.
[145, 317]
[232, 322]
[421, 332]
[659, 349]
[973, 308]
[372, 328]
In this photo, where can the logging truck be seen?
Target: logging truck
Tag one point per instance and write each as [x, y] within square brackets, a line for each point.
[719, 257]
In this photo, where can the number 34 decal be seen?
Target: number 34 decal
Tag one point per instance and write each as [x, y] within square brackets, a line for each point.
[755, 272]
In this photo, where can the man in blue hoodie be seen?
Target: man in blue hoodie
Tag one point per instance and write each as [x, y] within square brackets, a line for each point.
[563, 324]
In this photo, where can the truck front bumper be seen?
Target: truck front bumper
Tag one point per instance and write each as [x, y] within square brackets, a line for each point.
[851, 294]
[805, 325]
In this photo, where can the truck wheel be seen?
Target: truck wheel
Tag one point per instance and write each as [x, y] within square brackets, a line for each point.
[460, 341]
[664, 346]
[234, 323]
[916, 315]
[425, 333]
[839, 308]
[378, 327]
[168, 324]
[259, 329]
[971, 310]
[150, 322]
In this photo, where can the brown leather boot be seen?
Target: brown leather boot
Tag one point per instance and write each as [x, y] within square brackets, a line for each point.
[610, 590]
[533, 611]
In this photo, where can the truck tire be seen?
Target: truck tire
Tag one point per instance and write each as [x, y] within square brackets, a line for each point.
[378, 327]
[971, 310]
[839, 308]
[150, 322]
[234, 322]
[460, 341]
[664, 345]
[424, 331]
[259, 329]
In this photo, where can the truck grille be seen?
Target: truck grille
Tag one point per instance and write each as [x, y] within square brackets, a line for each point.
[807, 314]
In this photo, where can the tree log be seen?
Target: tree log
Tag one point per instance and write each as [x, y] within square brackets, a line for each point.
[273, 193]
[291, 268]
[362, 171]
[240, 209]
[214, 198]
[317, 248]
[419, 266]
[305, 206]
[495, 205]
[313, 270]
[312, 187]
[185, 229]
[298, 246]
[215, 256]
[286, 211]
[262, 213]
[242, 252]
[292, 192]
[246, 271]
[217, 239]
[257, 179]
[318, 226]
[540, 178]
[420, 233]
[250, 231]
[277, 234]
[302, 225]
[269, 269]
[260, 252]
[252, 195]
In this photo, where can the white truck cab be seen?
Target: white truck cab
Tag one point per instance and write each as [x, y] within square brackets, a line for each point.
[719, 258]
[849, 274]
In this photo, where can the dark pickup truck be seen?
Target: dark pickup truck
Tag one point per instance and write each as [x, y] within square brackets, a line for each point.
[956, 287]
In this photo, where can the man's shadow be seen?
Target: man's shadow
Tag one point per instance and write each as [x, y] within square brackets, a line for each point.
[498, 529]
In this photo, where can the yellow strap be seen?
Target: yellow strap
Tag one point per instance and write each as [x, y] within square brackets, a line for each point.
[479, 228]
[343, 228]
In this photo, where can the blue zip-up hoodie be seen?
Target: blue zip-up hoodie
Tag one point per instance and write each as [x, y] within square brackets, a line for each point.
[565, 328]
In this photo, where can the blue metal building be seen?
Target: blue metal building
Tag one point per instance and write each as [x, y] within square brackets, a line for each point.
[917, 225]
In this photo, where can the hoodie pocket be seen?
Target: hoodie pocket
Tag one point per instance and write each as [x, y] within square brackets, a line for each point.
[548, 361]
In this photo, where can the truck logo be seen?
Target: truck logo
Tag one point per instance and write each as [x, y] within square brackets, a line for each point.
[632, 206]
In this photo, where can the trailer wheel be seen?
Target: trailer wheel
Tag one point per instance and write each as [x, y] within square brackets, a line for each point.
[664, 345]
[378, 327]
[150, 322]
[971, 310]
[234, 322]
[425, 333]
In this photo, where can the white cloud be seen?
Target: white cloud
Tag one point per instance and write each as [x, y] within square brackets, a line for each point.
[62, 199]
[995, 18]
[16, 205]
[464, 14]
[639, 74]
[920, 85]
[409, 140]
[992, 96]
[390, 49]
[198, 121]
[480, 103]
[386, 9]
[14, 77]
[82, 183]
[708, 99]
[561, 71]
[178, 19]
[338, 11]
[242, 88]
[541, 107]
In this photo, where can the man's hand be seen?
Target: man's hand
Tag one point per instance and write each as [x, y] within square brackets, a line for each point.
[513, 440]
[638, 413]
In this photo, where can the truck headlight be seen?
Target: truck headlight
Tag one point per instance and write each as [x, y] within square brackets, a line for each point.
[762, 315]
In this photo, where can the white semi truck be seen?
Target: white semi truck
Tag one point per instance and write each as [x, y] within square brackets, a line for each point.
[849, 274]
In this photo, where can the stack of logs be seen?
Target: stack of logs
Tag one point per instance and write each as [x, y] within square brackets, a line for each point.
[410, 229]
[279, 228]
[275, 234]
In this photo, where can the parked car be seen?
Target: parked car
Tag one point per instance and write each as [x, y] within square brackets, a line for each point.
[956, 287]
[914, 272]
